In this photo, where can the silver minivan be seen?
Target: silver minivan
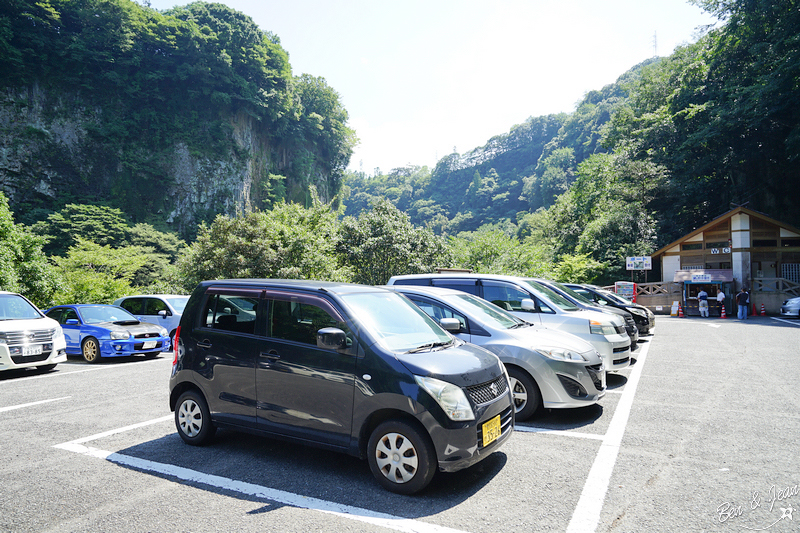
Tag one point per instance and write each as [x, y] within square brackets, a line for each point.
[541, 306]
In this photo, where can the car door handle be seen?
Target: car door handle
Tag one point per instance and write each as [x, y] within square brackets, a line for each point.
[204, 344]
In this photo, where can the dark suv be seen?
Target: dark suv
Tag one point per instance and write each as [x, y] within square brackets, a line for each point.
[345, 367]
[645, 319]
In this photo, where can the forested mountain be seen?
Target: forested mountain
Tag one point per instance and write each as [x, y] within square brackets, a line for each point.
[172, 117]
[671, 145]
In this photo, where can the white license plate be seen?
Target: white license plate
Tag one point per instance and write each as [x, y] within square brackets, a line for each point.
[147, 345]
[34, 349]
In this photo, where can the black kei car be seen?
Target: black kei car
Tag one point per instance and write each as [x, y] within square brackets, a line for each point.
[645, 319]
[345, 367]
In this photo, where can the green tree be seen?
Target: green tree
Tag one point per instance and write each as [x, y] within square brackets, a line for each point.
[290, 241]
[23, 265]
[96, 223]
[95, 273]
[382, 243]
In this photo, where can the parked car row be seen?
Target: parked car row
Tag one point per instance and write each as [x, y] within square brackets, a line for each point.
[429, 373]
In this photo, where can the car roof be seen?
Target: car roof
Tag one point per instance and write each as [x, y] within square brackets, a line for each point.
[154, 296]
[334, 287]
[467, 275]
[425, 289]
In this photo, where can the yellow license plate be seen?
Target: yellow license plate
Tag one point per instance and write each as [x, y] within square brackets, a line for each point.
[491, 430]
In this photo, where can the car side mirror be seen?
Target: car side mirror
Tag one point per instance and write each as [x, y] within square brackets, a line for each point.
[163, 313]
[452, 325]
[331, 338]
[72, 322]
[528, 305]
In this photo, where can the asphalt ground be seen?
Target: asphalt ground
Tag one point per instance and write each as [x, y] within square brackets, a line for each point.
[700, 434]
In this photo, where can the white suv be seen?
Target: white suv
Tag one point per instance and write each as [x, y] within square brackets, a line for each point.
[539, 305]
[27, 337]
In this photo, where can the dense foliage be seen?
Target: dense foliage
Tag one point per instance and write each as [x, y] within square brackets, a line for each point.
[145, 83]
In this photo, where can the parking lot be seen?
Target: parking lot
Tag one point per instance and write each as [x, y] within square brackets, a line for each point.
[699, 434]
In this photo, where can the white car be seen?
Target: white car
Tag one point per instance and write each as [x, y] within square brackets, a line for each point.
[541, 306]
[27, 337]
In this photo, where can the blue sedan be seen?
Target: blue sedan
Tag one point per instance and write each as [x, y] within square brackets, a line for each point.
[96, 331]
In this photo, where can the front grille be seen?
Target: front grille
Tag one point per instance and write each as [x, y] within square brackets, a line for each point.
[22, 359]
[146, 335]
[621, 350]
[595, 373]
[620, 361]
[505, 425]
[572, 387]
[486, 392]
[18, 338]
[630, 321]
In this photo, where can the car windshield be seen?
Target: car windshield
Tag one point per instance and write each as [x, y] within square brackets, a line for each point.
[178, 303]
[15, 307]
[396, 323]
[97, 314]
[487, 312]
[549, 294]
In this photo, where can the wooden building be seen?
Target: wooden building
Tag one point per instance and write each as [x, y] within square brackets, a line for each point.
[741, 248]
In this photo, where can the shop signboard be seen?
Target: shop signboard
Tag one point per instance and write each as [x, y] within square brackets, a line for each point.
[639, 263]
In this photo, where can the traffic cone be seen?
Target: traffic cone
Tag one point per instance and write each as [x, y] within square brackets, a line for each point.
[723, 315]
[680, 310]
[763, 311]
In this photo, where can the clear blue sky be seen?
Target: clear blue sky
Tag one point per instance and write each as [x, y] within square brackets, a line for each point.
[421, 77]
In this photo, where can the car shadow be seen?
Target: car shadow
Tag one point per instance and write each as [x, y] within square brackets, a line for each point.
[308, 472]
[578, 417]
[16, 373]
[114, 360]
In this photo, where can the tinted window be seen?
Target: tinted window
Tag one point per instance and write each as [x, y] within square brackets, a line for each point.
[509, 297]
[299, 322]
[413, 281]
[133, 306]
[153, 305]
[231, 313]
[466, 285]
[551, 295]
[62, 314]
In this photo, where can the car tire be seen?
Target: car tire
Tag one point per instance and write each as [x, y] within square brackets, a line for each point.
[527, 398]
[193, 419]
[90, 349]
[46, 368]
[401, 457]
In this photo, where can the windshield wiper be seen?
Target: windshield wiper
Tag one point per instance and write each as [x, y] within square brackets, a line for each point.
[521, 325]
[430, 346]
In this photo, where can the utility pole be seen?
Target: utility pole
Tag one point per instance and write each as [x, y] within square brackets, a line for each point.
[655, 44]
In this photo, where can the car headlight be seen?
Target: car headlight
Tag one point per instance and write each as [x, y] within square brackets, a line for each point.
[449, 397]
[118, 334]
[601, 328]
[560, 354]
[58, 333]
[163, 332]
[638, 312]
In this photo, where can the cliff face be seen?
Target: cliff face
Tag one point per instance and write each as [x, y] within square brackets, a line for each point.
[53, 152]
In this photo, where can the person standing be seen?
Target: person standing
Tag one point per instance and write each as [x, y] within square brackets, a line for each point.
[720, 300]
[702, 299]
[741, 300]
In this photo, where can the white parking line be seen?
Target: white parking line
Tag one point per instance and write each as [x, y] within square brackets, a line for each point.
[388, 521]
[93, 369]
[12, 407]
[562, 432]
[590, 504]
[792, 322]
